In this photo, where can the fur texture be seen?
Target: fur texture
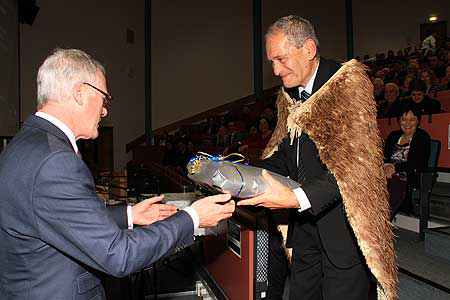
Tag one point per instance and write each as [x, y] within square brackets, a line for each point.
[341, 120]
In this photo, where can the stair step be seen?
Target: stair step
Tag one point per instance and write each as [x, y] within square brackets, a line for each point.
[412, 288]
[437, 242]
[412, 223]
[422, 276]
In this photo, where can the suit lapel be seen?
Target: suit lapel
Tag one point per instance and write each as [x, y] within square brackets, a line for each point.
[323, 74]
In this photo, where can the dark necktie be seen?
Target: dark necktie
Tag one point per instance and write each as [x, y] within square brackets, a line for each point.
[304, 95]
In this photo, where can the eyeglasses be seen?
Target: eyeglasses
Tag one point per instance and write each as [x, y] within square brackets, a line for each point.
[107, 98]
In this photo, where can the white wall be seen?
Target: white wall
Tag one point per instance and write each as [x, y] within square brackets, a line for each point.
[383, 25]
[99, 28]
[201, 56]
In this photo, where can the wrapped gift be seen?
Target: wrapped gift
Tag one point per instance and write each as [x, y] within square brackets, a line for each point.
[231, 176]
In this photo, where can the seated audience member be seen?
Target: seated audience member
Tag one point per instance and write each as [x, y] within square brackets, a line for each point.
[413, 68]
[270, 117]
[252, 141]
[406, 151]
[378, 89]
[169, 157]
[400, 55]
[391, 105]
[429, 43]
[405, 88]
[264, 131]
[223, 137]
[182, 157]
[445, 81]
[428, 77]
[436, 65]
[421, 102]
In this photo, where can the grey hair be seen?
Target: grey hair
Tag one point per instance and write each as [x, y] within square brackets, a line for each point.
[296, 29]
[61, 70]
[395, 86]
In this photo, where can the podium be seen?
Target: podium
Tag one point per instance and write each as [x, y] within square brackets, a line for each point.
[236, 260]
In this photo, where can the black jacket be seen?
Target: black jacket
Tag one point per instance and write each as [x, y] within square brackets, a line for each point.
[326, 219]
[418, 155]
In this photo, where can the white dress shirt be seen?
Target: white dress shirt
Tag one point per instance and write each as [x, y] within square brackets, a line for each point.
[70, 135]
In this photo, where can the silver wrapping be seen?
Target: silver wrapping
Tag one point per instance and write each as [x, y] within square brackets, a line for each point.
[240, 180]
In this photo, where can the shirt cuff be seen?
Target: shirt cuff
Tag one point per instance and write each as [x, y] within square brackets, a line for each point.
[303, 200]
[130, 216]
[194, 215]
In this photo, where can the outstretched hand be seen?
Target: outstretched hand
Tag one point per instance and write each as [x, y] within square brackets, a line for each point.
[276, 196]
[150, 211]
[213, 209]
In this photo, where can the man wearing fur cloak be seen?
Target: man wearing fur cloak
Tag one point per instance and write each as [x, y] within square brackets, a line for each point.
[327, 139]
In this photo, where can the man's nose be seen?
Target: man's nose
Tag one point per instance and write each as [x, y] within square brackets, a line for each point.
[276, 68]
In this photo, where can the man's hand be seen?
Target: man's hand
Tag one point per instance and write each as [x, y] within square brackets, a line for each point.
[150, 211]
[389, 170]
[213, 209]
[276, 195]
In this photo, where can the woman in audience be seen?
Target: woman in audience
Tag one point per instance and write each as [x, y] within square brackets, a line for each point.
[391, 106]
[406, 151]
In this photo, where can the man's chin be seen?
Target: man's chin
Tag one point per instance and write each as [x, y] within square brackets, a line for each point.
[289, 84]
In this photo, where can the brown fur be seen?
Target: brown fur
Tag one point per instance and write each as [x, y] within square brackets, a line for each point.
[341, 120]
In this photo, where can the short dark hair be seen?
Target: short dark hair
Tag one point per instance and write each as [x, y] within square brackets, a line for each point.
[419, 85]
[408, 107]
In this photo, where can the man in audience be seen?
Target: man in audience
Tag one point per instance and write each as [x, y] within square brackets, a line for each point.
[420, 101]
[435, 65]
[57, 235]
[391, 105]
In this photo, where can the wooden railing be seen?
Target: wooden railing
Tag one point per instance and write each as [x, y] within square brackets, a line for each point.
[214, 112]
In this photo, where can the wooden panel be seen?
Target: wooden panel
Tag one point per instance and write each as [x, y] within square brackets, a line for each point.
[444, 98]
[233, 274]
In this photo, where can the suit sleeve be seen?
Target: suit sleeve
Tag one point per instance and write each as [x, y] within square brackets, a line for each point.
[119, 215]
[70, 217]
[322, 191]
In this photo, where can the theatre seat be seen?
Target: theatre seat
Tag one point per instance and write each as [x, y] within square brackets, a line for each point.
[427, 179]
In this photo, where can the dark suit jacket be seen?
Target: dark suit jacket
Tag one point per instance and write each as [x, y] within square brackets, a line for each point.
[56, 234]
[426, 106]
[325, 223]
[418, 155]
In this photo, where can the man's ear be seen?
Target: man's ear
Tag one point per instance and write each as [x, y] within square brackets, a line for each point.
[77, 93]
[310, 48]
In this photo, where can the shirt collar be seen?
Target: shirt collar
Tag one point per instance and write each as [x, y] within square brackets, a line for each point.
[63, 127]
[308, 88]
